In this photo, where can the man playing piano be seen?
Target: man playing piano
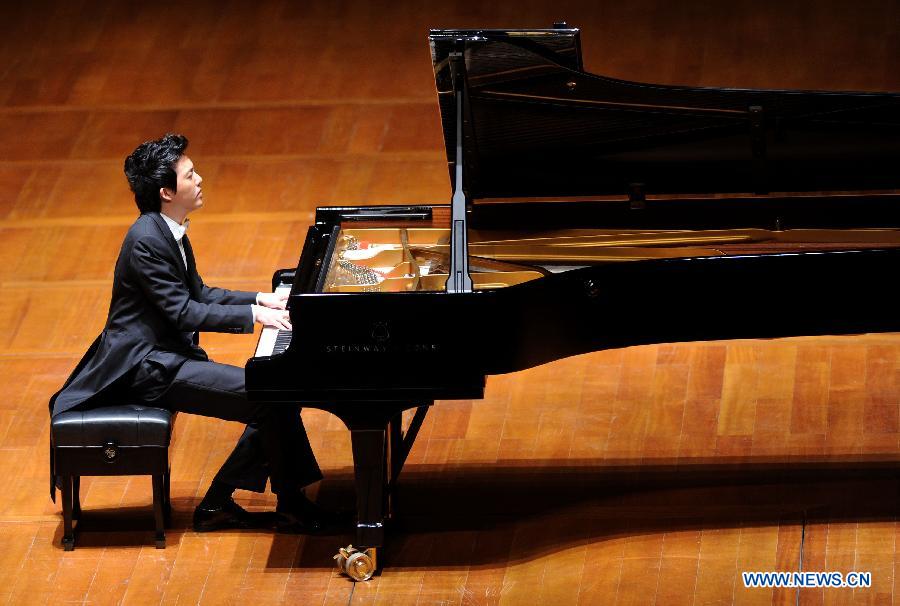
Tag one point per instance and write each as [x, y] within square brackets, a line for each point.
[148, 351]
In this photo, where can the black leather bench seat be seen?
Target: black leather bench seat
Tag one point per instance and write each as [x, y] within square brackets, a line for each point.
[128, 425]
[129, 439]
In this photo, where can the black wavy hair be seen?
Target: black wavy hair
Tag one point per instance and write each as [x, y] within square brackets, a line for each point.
[151, 166]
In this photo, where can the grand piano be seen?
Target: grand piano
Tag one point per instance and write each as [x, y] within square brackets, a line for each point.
[587, 213]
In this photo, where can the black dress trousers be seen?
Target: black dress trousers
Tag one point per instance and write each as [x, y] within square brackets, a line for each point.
[274, 444]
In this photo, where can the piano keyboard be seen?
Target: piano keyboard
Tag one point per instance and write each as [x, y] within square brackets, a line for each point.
[273, 340]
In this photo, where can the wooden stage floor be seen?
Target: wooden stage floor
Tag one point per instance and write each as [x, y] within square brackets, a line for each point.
[650, 475]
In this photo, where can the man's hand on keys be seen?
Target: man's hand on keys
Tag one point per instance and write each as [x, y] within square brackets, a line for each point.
[272, 300]
[278, 318]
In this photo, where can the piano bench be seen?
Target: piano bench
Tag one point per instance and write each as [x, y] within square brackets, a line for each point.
[111, 441]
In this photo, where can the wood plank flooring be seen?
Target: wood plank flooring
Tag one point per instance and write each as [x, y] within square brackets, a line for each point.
[650, 475]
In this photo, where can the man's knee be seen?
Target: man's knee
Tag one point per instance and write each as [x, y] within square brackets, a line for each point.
[213, 376]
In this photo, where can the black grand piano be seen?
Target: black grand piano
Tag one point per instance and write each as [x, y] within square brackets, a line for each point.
[587, 213]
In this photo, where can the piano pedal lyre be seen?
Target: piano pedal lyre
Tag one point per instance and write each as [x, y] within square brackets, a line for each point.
[356, 564]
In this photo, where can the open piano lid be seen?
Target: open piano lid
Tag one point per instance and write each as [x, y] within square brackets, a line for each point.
[536, 125]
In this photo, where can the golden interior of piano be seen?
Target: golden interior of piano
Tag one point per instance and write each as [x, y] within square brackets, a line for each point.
[402, 259]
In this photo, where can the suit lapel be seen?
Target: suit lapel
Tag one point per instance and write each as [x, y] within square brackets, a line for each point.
[167, 235]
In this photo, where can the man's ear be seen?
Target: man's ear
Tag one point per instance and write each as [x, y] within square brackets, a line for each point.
[166, 194]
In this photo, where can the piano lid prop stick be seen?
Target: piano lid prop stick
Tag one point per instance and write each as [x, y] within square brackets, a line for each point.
[459, 279]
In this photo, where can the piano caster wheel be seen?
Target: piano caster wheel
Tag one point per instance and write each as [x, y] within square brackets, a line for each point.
[358, 565]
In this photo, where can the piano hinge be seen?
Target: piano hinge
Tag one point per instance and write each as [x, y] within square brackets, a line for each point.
[758, 148]
[637, 197]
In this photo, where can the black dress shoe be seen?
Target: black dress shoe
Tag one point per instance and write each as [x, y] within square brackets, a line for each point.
[228, 515]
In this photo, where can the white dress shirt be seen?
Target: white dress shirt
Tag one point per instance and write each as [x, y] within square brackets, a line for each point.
[178, 232]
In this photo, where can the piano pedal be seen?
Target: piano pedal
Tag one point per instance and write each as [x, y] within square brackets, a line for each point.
[356, 564]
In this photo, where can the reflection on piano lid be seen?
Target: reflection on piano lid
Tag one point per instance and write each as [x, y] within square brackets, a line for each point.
[538, 125]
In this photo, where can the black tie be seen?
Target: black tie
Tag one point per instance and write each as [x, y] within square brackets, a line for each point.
[192, 275]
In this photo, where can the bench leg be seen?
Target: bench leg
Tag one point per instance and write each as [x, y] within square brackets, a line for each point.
[167, 493]
[68, 539]
[76, 498]
[158, 506]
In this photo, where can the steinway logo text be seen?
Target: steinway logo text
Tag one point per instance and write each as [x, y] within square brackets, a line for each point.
[381, 348]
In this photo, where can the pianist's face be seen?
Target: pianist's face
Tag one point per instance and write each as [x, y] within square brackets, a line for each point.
[189, 195]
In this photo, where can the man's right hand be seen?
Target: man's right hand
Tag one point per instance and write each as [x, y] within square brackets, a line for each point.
[277, 318]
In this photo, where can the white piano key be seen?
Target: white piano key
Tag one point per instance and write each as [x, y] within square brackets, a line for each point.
[266, 344]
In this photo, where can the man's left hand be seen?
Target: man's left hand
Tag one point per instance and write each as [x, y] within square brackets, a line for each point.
[272, 300]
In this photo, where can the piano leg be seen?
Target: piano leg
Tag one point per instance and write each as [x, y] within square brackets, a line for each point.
[369, 467]
[394, 456]
[401, 442]
[399, 445]
[380, 448]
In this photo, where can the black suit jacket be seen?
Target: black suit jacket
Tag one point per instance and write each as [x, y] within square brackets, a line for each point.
[156, 308]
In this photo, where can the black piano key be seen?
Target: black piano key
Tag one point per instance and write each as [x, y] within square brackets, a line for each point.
[282, 340]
